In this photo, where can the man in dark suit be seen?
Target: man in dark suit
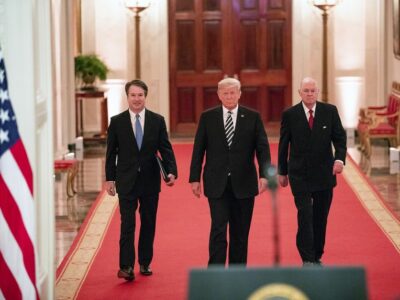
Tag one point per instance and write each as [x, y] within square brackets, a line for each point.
[229, 135]
[133, 139]
[308, 130]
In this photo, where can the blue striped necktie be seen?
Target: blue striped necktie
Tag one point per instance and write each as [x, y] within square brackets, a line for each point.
[138, 132]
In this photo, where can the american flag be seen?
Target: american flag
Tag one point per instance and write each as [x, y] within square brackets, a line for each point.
[17, 214]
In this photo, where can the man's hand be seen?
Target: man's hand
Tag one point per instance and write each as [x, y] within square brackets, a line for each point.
[283, 180]
[171, 180]
[337, 167]
[110, 187]
[196, 189]
[262, 185]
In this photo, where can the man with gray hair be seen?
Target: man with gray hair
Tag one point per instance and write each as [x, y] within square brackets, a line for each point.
[230, 136]
[307, 162]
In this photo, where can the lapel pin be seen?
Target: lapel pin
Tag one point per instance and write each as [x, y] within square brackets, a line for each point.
[242, 116]
[324, 127]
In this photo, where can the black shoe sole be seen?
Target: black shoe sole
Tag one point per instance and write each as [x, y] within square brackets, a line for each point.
[146, 273]
[125, 275]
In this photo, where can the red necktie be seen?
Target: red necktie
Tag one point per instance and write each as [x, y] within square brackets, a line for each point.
[311, 119]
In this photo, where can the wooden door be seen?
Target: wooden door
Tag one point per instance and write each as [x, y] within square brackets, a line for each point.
[211, 39]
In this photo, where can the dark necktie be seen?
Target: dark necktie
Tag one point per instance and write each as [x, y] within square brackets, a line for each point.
[229, 128]
[311, 119]
[138, 132]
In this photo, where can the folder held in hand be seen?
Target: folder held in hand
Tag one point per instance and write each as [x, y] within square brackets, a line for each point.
[163, 172]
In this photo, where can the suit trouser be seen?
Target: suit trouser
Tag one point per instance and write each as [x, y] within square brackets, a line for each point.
[236, 212]
[312, 217]
[148, 213]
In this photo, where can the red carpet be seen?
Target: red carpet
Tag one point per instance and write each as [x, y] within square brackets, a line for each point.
[354, 238]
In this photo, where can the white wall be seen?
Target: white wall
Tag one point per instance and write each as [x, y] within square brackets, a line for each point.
[108, 30]
[155, 68]
[25, 36]
[63, 72]
[356, 72]
[350, 61]
[307, 44]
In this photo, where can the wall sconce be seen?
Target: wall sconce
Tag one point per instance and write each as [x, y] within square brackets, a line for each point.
[325, 6]
[137, 6]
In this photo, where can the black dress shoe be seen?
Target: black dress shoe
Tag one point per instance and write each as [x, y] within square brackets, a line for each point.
[126, 273]
[145, 270]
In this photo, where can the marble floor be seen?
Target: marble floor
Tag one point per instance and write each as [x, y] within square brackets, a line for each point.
[71, 211]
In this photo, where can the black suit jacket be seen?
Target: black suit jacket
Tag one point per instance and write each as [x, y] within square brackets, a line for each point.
[249, 139]
[124, 159]
[310, 160]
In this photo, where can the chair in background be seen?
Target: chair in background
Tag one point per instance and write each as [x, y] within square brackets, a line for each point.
[380, 123]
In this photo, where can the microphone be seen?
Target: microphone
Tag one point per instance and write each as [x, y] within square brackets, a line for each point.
[271, 174]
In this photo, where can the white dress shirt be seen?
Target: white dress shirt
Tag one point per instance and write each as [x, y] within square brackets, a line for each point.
[234, 115]
[307, 110]
[141, 120]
